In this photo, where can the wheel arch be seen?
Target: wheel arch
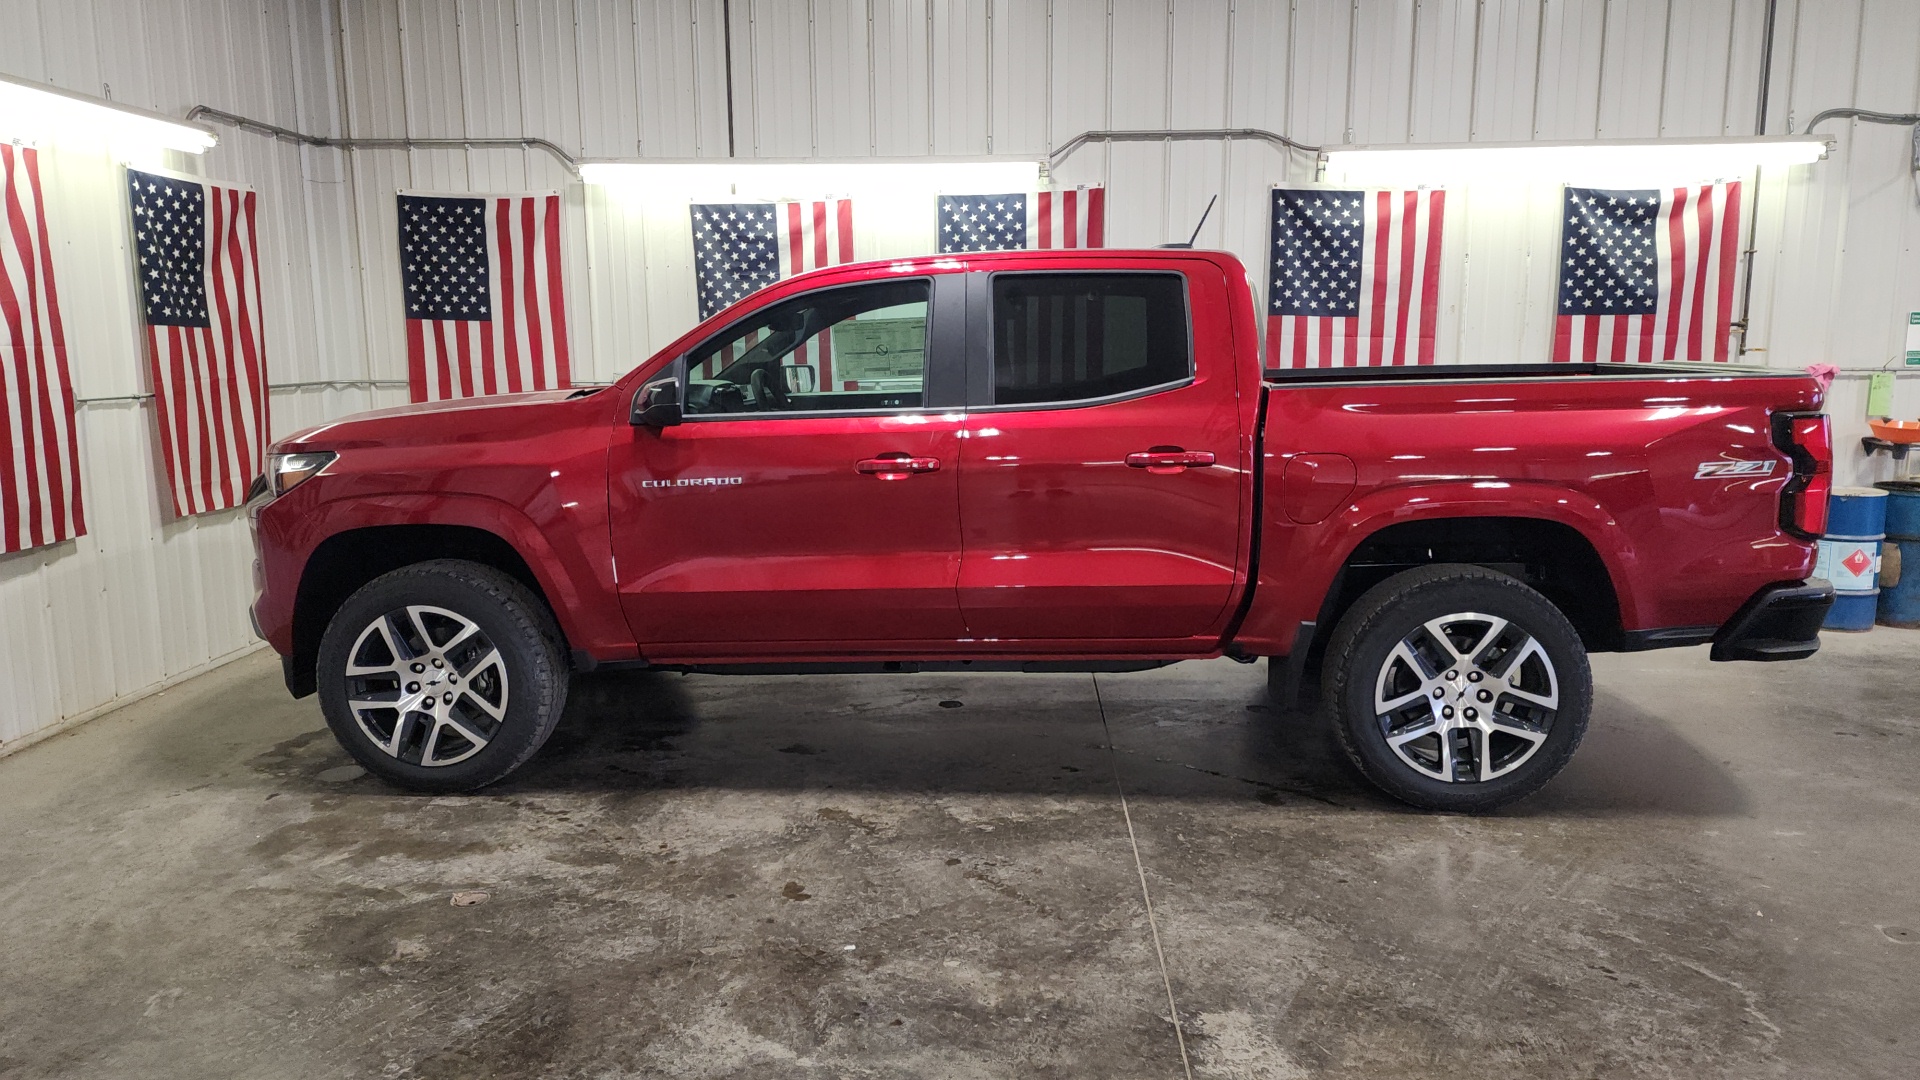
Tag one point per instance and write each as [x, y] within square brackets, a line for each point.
[1310, 574]
[1553, 557]
[347, 560]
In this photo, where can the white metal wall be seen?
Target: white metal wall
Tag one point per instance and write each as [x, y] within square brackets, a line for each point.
[1837, 267]
[142, 600]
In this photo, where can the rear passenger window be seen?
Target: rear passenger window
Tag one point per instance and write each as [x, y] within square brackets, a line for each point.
[1070, 337]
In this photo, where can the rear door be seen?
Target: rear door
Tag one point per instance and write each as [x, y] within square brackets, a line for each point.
[1100, 476]
[808, 501]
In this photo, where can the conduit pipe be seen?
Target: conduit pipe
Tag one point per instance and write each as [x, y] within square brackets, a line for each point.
[1174, 134]
[278, 132]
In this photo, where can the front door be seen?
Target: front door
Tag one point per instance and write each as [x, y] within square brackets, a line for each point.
[1101, 476]
[808, 501]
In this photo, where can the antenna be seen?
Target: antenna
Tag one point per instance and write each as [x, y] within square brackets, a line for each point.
[1203, 219]
[1198, 227]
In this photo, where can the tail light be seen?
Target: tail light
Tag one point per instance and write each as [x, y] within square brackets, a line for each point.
[1808, 440]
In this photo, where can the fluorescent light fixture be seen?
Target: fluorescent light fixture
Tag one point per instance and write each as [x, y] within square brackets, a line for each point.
[39, 113]
[754, 180]
[1604, 163]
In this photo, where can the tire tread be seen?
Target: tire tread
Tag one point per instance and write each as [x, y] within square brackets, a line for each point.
[1352, 633]
[528, 617]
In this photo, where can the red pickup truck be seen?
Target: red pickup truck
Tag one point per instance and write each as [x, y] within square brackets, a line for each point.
[1044, 461]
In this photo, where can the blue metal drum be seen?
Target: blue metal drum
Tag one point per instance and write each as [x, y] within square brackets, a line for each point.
[1850, 556]
[1900, 573]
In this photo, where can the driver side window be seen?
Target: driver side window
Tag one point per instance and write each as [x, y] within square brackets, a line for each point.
[860, 347]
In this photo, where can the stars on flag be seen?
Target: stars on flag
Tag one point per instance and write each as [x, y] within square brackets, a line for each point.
[443, 258]
[983, 223]
[735, 250]
[1317, 246]
[1609, 256]
[169, 238]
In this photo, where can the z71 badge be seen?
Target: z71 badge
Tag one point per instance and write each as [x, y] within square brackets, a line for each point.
[1733, 470]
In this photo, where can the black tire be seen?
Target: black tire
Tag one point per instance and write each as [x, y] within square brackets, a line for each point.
[1357, 677]
[527, 684]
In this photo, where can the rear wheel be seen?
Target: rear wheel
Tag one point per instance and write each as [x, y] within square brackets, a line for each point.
[442, 676]
[1457, 688]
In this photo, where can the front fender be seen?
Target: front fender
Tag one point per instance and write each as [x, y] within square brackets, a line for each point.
[572, 581]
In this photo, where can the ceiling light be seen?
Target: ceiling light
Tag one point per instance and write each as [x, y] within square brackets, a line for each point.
[34, 112]
[1606, 163]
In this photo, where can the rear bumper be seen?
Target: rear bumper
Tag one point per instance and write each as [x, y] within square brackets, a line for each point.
[1780, 622]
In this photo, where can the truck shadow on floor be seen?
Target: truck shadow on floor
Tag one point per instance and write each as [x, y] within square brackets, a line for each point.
[1044, 735]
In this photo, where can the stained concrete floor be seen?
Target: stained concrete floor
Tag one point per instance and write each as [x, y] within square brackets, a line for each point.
[937, 876]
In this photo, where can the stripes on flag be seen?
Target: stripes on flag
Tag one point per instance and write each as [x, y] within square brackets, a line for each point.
[814, 235]
[741, 247]
[1647, 275]
[1353, 277]
[1015, 220]
[199, 271]
[1076, 218]
[40, 474]
[486, 312]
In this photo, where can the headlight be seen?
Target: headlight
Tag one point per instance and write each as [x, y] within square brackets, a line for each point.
[288, 471]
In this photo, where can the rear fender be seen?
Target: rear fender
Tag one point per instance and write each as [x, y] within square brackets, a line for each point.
[1300, 565]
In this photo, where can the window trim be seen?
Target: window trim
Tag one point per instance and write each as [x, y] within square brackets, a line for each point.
[984, 304]
[681, 364]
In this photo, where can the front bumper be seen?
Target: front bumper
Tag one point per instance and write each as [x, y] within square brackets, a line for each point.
[1780, 622]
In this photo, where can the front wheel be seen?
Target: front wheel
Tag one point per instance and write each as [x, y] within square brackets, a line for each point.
[1459, 688]
[442, 676]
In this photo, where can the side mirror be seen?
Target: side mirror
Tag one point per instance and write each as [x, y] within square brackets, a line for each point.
[800, 379]
[657, 405]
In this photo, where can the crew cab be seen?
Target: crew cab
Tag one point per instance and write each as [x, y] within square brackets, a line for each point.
[1044, 461]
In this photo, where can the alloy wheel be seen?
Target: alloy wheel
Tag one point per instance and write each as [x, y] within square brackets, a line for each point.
[426, 685]
[1466, 698]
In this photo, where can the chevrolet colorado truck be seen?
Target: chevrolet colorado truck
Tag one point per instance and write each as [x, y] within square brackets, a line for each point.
[1044, 461]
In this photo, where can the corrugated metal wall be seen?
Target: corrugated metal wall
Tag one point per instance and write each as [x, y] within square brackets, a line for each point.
[143, 599]
[855, 78]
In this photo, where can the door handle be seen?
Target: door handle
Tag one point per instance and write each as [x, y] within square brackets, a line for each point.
[1169, 459]
[897, 466]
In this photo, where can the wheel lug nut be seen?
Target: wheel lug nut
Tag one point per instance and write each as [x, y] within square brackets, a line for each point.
[1447, 712]
[1473, 676]
[1439, 692]
[437, 663]
[413, 688]
[1471, 713]
[1486, 695]
[1453, 674]
[418, 668]
[448, 698]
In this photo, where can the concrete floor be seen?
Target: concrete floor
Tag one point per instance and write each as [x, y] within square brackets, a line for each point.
[936, 876]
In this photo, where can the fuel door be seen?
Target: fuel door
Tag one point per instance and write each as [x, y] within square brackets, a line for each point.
[1313, 486]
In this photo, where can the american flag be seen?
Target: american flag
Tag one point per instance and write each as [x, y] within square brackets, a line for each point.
[740, 247]
[1353, 277]
[1023, 219]
[1647, 275]
[199, 269]
[481, 281]
[40, 472]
